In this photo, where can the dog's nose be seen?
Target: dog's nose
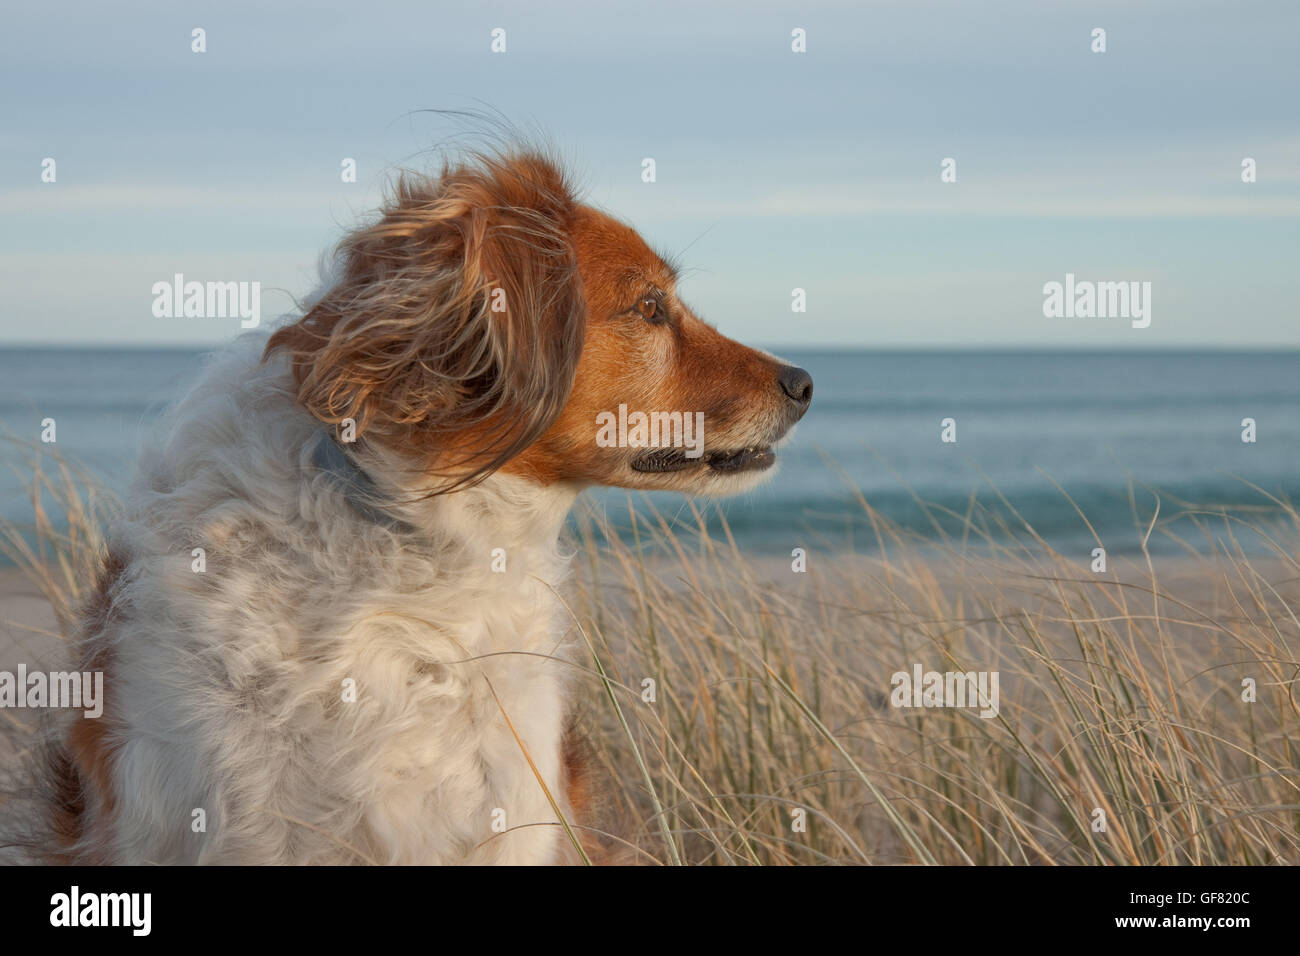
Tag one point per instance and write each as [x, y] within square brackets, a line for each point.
[797, 385]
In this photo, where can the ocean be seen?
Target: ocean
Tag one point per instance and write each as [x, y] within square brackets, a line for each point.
[1115, 432]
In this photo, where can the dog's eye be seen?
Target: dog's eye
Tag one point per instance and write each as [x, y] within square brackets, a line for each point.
[650, 309]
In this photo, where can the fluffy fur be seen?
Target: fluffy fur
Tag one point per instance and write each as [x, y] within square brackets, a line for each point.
[333, 565]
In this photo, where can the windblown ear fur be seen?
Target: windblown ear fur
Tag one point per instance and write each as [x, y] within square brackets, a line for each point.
[456, 327]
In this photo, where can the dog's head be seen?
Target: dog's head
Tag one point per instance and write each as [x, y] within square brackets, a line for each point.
[488, 321]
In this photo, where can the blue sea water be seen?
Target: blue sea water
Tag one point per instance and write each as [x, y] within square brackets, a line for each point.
[1113, 430]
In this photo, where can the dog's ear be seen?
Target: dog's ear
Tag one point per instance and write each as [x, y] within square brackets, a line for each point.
[456, 327]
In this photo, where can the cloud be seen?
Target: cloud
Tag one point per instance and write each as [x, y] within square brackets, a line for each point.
[123, 197]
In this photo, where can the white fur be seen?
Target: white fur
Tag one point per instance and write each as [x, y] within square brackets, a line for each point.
[226, 686]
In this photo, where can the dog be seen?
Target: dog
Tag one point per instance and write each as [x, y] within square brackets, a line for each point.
[329, 619]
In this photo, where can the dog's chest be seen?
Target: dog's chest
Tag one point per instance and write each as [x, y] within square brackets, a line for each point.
[465, 657]
[489, 688]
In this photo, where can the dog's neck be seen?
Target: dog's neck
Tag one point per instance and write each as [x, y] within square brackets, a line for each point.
[381, 487]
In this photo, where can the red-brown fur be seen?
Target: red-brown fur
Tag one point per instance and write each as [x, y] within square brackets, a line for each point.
[705, 370]
[79, 768]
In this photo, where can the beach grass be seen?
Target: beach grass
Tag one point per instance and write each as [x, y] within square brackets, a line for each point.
[1122, 736]
[740, 709]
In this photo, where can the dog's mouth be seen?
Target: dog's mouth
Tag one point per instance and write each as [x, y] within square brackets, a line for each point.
[756, 458]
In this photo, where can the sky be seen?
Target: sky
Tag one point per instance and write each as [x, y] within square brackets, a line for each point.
[775, 170]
